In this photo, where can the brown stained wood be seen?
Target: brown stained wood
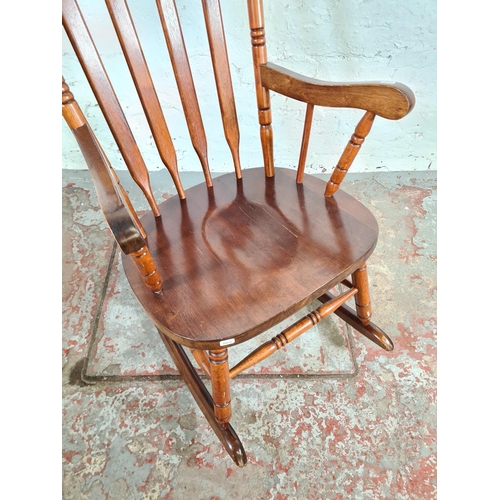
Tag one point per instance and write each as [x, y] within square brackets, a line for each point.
[259, 55]
[350, 152]
[182, 71]
[388, 100]
[370, 331]
[220, 62]
[363, 305]
[227, 436]
[203, 361]
[90, 60]
[98, 163]
[129, 41]
[291, 333]
[221, 393]
[241, 258]
[146, 267]
[305, 142]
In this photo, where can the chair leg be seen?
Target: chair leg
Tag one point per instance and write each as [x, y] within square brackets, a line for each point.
[220, 386]
[363, 305]
[227, 435]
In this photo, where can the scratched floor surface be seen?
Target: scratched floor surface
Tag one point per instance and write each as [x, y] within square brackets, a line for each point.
[330, 417]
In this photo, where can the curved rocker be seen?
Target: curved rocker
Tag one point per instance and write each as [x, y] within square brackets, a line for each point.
[227, 435]
[371, 331]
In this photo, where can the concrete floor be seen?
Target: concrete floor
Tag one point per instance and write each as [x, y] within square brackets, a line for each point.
[331, 417]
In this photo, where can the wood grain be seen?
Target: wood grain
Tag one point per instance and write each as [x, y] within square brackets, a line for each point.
[220, 62]
[90, 60]
[388, 100]
[237, 260]
[184, 78]
[132, 50]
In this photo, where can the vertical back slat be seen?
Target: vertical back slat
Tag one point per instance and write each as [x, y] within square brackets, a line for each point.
[182, 71]
[88, 56]
[129, 41]
[220, 62]
[259, 54]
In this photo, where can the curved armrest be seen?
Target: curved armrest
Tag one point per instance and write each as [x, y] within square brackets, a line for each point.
[115, 211]
[389, 100]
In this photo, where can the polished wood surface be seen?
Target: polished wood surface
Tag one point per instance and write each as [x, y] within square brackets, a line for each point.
[129, 41]
[291, 333]
[350, 152]
[220, 62]
[90, 60]
[388, 100]
[239, 259]
[184, 78]
[259, 55]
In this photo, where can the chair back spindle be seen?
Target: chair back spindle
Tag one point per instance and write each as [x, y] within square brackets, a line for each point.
[220, 62]
[86, 51]
[90, 60]
[305, 142]
[131, 46]
[184, 78]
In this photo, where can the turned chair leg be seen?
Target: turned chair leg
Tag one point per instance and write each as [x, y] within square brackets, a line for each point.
[363, 305]
[221, 395]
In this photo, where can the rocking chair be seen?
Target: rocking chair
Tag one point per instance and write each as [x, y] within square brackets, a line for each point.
[224, 261]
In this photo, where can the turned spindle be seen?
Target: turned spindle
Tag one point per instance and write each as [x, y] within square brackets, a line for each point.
[362, 130]
[259, 55]
[147, 269]
[291, 333]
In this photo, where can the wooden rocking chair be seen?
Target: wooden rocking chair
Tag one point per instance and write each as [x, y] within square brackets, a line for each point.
[221, 263]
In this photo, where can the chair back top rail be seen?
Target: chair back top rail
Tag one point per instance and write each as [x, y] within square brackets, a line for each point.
[184, 78]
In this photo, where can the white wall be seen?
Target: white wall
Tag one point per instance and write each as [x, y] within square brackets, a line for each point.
[337, 40]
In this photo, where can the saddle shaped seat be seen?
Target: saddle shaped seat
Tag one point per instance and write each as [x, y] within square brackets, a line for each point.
[240, 257]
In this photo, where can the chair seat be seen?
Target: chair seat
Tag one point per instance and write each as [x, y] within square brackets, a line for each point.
[242, 256]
